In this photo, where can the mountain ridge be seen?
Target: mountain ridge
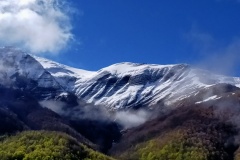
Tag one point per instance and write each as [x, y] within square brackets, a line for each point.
[118, 86]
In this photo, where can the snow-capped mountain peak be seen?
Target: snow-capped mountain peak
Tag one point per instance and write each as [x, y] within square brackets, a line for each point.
[60, 70]
[20, 70]
[126, 68]
[119, 86]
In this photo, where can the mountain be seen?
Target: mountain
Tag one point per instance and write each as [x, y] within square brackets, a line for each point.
[129, 111]
[129, 85]
[119, 86]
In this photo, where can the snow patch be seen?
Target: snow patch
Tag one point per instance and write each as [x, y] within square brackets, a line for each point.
[215, 97]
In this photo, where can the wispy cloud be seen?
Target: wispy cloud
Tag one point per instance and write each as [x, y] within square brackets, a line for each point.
[37, 25]
[216, 55]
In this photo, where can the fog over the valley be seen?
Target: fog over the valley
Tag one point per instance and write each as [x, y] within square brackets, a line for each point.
[125, 118]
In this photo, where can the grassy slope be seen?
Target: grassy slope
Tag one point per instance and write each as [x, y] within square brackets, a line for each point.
[44, 145]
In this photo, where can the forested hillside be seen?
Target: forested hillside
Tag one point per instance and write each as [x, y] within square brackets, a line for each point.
[43, 145]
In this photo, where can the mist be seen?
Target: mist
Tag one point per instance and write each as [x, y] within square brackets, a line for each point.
[126, 119]
[129, 119]
[55, 106]
[218, 56]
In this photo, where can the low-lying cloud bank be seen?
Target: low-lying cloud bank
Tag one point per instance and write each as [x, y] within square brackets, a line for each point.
[37, 25]
[130, 119]
[126, 119]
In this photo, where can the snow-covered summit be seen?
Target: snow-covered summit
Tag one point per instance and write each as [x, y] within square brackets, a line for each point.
[20, 70]
[60, 70]
[126, 68]
[16, 62]
[66, 76]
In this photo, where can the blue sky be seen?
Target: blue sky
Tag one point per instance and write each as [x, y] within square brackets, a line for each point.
[161, 32]
[205, 33]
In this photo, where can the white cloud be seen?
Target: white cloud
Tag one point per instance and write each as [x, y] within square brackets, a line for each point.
[37, 25]
[129, 119]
